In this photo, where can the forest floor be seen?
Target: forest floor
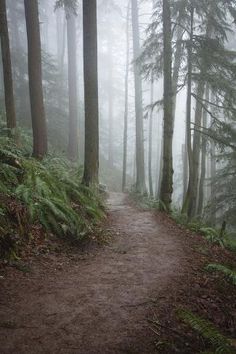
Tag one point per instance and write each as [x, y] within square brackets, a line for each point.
[105, 299]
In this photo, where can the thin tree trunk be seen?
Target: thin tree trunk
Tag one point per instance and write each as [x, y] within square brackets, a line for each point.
[110, 101]
[125, 138]
[213, 173]
[63, 49]
[150, 142]
[7, 68]
[194, 171]
[176, 66]
[59, 34]
[140, 173]
[185, 169]
[91, 161]
[188, 116]
[203, 162]
[160, 174]
[72, 86]
[167, 176]
[35, 79]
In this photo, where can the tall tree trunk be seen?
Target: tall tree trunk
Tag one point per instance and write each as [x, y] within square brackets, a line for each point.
[150, 142]
[213, 172]
[160, 170]
[72, 86]
[35, 79]
[185, 168]
[125, 138]
[140, 173]
[203, 162]
[110, 101]
[194, 171]
[59, 34]
[91, 161]
[167, 176]
[188, 117]
[176, 66]
[7, 69]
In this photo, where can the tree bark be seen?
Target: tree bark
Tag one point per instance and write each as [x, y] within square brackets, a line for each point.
[140, 167]
[150, 142]
[35, 79]
[187, 197]
[7, 69]
[176, 66]
[213, 173]
[72, 86]
[91, 161]
[167, 176]
[110, 101]
[203, 162]
[125, 137]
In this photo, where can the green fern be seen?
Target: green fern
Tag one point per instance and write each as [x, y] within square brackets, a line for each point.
[229, 273]
[207, 330]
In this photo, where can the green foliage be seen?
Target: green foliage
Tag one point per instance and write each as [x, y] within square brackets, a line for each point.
[228, 273]
[212, 235]
[55, 197]
[206, 329]
[50, 193]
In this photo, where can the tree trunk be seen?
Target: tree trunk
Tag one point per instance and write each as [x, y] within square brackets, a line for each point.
[7, 69]
[188, 117]
[195, 156]
[167, 176]
[126, 102]
[150, 143]
[91, 161]
[185, 168]
[110, 101]
[203, 162]
[176, 66]
[35, 79]
[140, 167]
[72, 86]
[213, 173]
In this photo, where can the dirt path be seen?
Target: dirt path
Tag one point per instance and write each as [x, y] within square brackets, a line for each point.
[96, 303]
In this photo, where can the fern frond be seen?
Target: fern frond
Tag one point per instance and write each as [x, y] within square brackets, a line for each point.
[229, 273]
[207, 330]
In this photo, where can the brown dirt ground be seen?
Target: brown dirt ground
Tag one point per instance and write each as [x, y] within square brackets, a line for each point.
[102, 300]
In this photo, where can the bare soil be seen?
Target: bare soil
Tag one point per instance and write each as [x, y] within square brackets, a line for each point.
[102, 300]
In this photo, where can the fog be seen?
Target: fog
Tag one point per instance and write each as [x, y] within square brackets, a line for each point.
[113, 19]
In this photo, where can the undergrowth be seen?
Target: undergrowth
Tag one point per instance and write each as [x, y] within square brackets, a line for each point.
[48, 193]
[211, 234]
[218, 342]
[229, 274]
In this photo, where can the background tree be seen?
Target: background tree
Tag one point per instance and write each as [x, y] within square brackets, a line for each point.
[125, 136]
[167, 176]
[72, 85]
[7, 68]
[140, 167]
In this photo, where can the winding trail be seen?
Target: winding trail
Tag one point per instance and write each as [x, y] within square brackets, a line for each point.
[95, 303]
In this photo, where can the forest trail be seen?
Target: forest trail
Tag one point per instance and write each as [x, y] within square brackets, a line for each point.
[99, 302]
